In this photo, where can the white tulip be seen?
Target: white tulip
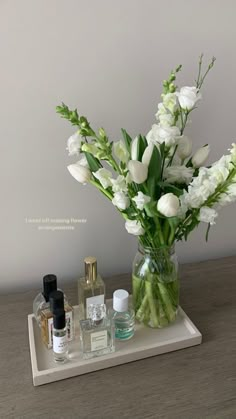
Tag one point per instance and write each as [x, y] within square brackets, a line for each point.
[140, 200]
[184, 147]
[188, 96]
[104, 177]
[74, 143]
[200, 156]
[81, 173]
[119, 184]
[168, 205]
[207, 215]
[147, 154]
[138, 171]
[121, 200]
[134, 227]
[134, 149]
[121, 151]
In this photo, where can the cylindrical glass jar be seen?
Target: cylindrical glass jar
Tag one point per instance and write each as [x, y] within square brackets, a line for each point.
[155, 286]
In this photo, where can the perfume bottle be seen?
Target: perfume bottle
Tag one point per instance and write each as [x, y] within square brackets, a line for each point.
[60, 343]
[123, 315]
[41, 301]
[56, 303]
[91, 288]
[97, 332]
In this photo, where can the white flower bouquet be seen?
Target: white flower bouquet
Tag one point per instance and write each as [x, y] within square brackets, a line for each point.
[159, 186]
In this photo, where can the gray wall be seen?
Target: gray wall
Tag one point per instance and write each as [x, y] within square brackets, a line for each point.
[108, 58]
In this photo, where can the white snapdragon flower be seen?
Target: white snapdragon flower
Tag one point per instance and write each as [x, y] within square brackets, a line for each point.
[104, 176]
[159, 134]
[119, 184]
[90, 148]
[121, 151]
[170, 101]
[178, 174]
[80, 173]
[161, 110]
[233, 153]
[166, 120]
[184, 148]
[73, 144]
[140, 200]
[168, 205]
[188, 97]
[138, 171]
[134, 227]
[200, 156]
[121, 200]
[207, 215]
[83, 161]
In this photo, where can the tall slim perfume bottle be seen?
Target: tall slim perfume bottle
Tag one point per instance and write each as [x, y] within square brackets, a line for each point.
[41, 300]
[97, 332]
[91, 288]
[60, 342]
[56, 304]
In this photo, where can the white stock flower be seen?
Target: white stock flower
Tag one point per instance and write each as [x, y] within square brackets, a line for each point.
[138, 171]
[121, 151]
[188, 96]
[140, 200]
[170, 101]
[73, 144]
[168, 205]
[166, 120]
[119, 184]
[147, 154]
[134, 227]
[80, 173]
[104, 176]
[207, 215]
[159, 134]
[121, 200]
[134, 149]
[90, 148]
[200, 156]
[161, 110]
[184, 148]
[178, 174]
[233, 153]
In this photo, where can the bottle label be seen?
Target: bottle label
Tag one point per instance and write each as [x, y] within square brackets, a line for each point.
[99, 340]
[59, 344]
[98, 299]
[69, 328]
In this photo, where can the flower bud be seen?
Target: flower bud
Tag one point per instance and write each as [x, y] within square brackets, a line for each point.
[147, 154]
[200, 156]
[81, 173]
[134, 149]
[138, 171]
[134, 227]
[168, 205]
[184, 147]
[121, 200]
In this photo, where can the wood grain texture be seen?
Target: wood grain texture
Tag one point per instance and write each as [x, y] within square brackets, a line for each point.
[194, 383]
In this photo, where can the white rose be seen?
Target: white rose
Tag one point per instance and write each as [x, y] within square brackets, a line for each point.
[200, 156]
[119, 184]
[74, 143]
[184, 147]
[147, 154]
[159, 134]
[207, 215]
[168, 205]
[178, 174]
[170, 101]
[138, 171]
[134, 227]
[121, 200]
[140, 200]
[188, 96]
[121, 151]
[81, 173]
[134, 149]
[104, 176]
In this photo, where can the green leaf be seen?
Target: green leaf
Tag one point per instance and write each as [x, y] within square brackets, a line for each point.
[94, 164]
[207, 232]
[168, 187]
[154, 174]
[151, 209]
[127, 138]
[141, 145]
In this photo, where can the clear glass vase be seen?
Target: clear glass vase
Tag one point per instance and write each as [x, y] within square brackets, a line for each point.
[155, 286]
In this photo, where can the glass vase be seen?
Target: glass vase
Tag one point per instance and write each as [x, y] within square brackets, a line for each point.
[155, 286]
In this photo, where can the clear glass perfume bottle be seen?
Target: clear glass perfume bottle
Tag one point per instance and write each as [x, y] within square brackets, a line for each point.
[56, 303]
[60, 342]
[97, 332]
[91, 288]
[41, 300]
[123, 315]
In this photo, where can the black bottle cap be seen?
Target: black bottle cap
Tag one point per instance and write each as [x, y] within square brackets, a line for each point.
[56, 301]
[49, 285]
[59, 319]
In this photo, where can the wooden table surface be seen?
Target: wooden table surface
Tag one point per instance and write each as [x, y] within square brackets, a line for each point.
[194, 383]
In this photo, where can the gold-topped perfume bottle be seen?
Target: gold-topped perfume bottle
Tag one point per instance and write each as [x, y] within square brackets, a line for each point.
[91, 288]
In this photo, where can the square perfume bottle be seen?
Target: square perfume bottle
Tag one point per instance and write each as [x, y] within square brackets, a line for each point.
[97, 332]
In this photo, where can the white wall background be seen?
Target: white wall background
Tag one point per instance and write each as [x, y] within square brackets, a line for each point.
[108, 58]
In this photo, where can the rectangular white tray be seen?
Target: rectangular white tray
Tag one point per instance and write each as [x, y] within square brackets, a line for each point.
[146, 342]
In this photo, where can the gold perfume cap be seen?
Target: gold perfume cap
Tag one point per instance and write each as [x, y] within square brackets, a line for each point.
[90, 264]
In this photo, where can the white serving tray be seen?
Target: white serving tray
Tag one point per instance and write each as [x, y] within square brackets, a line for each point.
[145, 343]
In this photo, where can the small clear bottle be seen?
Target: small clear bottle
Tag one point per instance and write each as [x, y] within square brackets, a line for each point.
[41, 300]
[91, 288]
[60, 343]
[97, 332]
[123, 315]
